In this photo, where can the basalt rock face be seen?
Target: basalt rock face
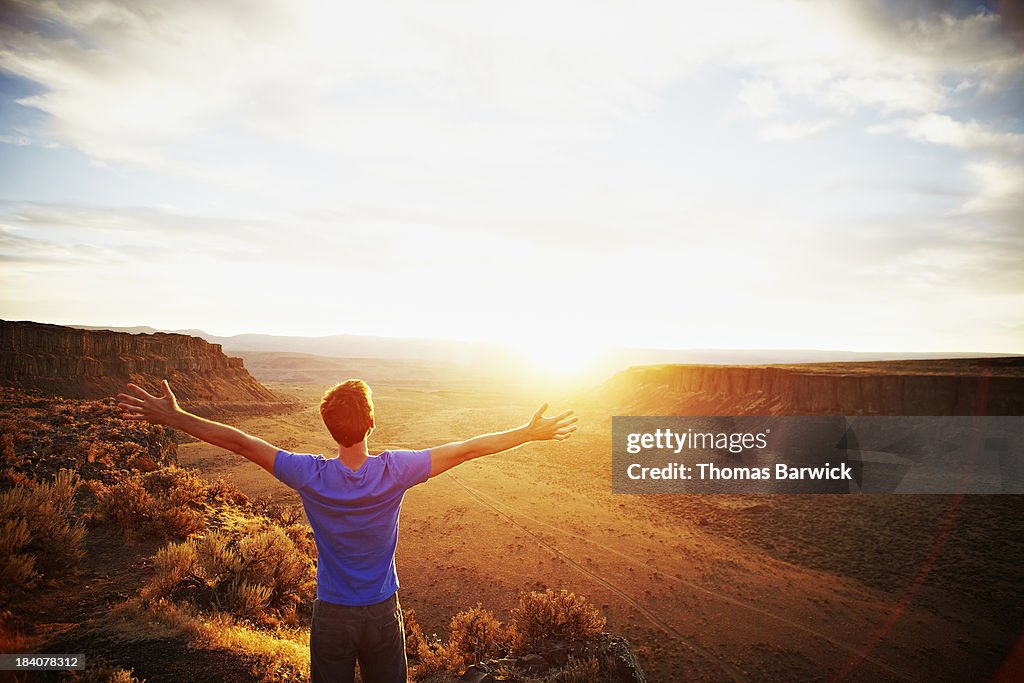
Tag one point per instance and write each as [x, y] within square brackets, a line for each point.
[78, 363]
[983, 386]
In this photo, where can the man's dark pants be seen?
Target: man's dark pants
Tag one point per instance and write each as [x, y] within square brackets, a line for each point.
[372, 634]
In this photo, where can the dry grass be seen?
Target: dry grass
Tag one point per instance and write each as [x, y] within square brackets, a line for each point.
[102, 673]
[279, 654]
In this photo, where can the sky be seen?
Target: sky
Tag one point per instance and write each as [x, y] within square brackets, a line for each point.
[744, 174]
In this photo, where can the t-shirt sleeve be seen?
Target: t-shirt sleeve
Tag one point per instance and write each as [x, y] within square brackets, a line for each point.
[410, 467]
[294, 469]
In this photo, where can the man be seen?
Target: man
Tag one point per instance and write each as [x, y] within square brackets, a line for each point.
[352, 502]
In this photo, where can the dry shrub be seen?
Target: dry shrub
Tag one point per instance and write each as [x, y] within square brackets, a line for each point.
[475, 636]
[221, 489]
[167, 502]
[12, 477]
[126, 503]
[17, 569]
[37, 522]
[555, 615]
[301, 535]
[174, 522]
[286, 515]
[478, 635]
[173, 564]
[576, 671]
[12, 638]
[262, 576]
[250, 599]
[7, 453]
[414, 640]
[271, 559]
[440, 658]
[180, 486]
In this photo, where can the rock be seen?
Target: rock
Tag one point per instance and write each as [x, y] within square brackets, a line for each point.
[477, 674]
[613, 654]
[961, 386]
[77, 363]
[532, 663]
[623, 664]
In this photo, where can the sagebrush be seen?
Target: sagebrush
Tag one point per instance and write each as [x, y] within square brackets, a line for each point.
[262, 576]
[40, 537]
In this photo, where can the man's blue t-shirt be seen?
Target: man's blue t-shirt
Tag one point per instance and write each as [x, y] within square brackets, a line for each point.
[354, 516]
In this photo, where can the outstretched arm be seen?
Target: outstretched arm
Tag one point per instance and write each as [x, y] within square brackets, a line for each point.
[139, 404]
[539, 428]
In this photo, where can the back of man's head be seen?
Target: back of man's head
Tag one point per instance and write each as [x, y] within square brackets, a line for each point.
[347, 410]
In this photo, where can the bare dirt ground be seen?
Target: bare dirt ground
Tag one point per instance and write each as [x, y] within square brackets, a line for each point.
[706, 588]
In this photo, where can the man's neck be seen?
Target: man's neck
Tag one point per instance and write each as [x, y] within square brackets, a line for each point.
[353, 456]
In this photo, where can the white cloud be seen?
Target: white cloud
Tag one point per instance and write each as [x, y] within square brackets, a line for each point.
[1000, 189]
[761, 97]
[16, 140]
[157, 84]
[970, 136]
[789, 132]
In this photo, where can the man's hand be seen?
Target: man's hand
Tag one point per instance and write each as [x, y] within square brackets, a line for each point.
[542, 428]
[539, 428]
[139, 404]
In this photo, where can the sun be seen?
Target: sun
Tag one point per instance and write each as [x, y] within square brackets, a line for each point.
[560, 356]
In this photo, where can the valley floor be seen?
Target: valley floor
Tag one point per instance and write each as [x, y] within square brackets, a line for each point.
[706, 588]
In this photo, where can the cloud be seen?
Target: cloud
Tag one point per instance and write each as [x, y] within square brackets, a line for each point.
[761, 97]
[970, 136]
[17, 249]
[788, 132]
[162, 84]
[16, 140]
[1000, 190]
[994, 166]
[891, 57]
[467, 151]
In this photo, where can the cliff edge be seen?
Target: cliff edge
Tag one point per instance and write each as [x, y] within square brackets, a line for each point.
[963, 386]
[77, 363]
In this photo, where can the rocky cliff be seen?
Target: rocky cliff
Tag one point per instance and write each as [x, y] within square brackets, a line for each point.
[78, 363]
[980, 386]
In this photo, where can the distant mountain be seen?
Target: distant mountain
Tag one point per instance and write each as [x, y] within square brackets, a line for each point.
[138, 329]
[343, 345]
[489, 353]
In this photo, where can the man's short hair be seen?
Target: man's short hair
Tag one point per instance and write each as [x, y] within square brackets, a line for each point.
[347, 410]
